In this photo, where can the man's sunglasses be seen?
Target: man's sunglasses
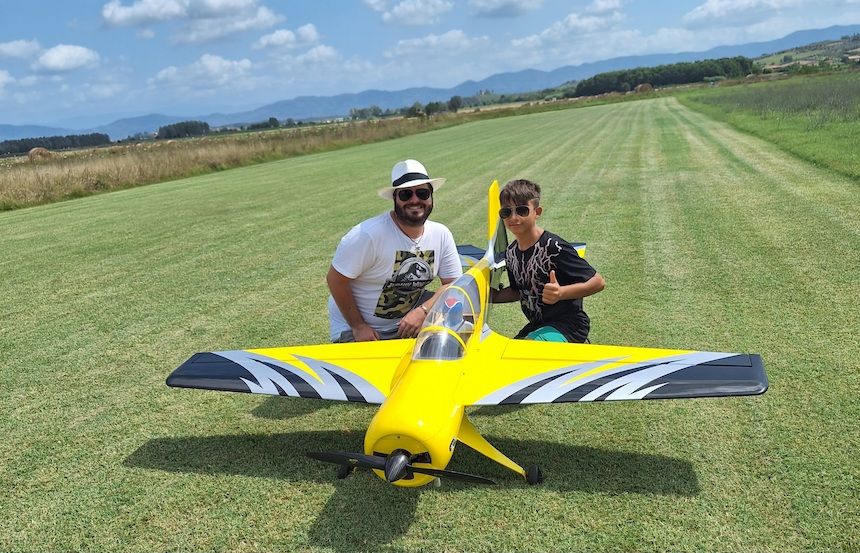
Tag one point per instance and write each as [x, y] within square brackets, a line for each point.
[406, 194]
[520, 210]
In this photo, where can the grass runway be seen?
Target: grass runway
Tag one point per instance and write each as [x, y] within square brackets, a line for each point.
[708, 239]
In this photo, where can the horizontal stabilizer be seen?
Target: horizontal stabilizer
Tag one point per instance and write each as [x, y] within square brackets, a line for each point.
[469, 255]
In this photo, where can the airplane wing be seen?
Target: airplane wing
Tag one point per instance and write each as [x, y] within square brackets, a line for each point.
[525, 371]
[359, 372]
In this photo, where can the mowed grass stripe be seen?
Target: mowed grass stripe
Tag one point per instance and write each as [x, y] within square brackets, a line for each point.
[803, 296]
[712, 246]
[105, 295]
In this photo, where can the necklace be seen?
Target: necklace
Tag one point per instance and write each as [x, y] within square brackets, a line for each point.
[416, 246]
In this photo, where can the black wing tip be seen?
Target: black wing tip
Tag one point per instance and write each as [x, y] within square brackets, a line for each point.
[209, 371]
[758, 366]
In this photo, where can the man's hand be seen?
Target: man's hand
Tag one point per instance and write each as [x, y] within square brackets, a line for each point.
[364, 333]
[411, 323]
[551, 290]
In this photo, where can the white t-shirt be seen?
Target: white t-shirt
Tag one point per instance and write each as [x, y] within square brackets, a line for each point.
[389, 270]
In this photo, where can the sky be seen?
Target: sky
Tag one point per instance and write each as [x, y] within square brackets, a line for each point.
[87, 62]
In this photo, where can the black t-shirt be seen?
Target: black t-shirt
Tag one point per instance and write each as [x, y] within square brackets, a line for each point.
[529, 272]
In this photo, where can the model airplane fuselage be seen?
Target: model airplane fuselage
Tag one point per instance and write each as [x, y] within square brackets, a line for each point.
[423, 385]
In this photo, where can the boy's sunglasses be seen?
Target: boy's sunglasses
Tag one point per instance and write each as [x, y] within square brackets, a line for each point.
[406, 194]
[520, 210]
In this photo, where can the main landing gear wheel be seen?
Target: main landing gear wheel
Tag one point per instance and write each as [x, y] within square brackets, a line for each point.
[533, 475]
[343, 471]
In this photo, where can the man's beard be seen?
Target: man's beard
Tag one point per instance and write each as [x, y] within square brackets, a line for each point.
[409, 220]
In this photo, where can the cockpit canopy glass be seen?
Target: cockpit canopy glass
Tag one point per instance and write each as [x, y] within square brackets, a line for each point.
[450, 323]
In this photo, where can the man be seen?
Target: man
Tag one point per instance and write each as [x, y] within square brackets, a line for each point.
[382, 266]
[547, 275]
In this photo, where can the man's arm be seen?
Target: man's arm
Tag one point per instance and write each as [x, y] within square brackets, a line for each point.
[341, 290]
[409, 325]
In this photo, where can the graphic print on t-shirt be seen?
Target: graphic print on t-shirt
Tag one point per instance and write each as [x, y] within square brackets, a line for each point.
[411, 274]
[530, 272]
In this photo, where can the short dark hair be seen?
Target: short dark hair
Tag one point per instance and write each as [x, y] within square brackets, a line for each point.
[520, 192]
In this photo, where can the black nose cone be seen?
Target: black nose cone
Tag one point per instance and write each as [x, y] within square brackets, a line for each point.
[395, 465]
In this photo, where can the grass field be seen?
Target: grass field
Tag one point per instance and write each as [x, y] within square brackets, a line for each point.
[84, 172]
[708, 239]
[816, 117]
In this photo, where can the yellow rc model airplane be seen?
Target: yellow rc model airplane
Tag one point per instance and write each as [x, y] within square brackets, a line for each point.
[423, 385]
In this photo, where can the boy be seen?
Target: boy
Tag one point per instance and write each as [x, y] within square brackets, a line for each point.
[547, 275]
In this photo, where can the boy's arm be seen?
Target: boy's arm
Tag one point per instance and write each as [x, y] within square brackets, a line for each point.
[553, 292]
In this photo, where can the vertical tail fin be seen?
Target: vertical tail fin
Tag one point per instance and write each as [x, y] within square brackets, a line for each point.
[497, 237]
[493, 206]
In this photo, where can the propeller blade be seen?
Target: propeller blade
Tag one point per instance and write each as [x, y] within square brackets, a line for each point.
[454, 475]
[395, 467]
[349, 459]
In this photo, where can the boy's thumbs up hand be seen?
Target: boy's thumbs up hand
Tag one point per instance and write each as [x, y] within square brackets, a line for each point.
[551, 290]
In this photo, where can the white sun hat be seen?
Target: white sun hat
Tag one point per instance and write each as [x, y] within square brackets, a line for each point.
[407, 174]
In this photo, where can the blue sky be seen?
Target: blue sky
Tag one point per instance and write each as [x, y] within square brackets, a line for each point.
[87, 62]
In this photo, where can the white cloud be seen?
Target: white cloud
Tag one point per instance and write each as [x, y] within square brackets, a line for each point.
[376, 5]
[318, 55]
[146, 34]
[503, 8]
[208, 72]
[65, 57]
[416, 12]
[206, 20]
[570, 29]
[452, 43]
[5, 78]
[603, 6]
[358, 66]
[741, 12]
[201, 9]
[278, 39]
[308, 33]
[23, 49]
[284, 38]
[143, 12]
[206, 30]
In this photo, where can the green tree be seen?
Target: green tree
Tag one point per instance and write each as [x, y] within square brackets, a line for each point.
[183, 129]
[434, 107]
[417, 110]
[455, 103]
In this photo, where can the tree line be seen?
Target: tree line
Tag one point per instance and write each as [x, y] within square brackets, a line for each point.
[455, 103]
[663, 75]
[24, 145]
[183, 129]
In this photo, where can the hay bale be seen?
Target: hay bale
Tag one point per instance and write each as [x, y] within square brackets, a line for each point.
[38, 154]
[644, 87]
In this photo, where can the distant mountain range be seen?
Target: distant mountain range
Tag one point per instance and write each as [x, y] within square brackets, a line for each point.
[321, 107]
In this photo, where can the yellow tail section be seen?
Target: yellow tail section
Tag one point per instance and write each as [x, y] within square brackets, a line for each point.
[493, 206]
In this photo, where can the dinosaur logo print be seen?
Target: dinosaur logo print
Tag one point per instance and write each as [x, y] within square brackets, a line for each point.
[412, 272]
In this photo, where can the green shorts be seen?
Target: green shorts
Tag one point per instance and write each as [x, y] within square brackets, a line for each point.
[546, 334]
